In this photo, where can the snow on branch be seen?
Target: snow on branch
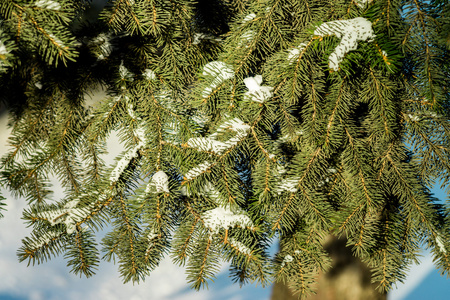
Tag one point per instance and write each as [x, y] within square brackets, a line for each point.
[44, 239]
[123, 163]
[294, 53]
[3, 50]
[248, 18]
[440, 244]
[210, 144]
[213, 194]
[220, 71]
[257, 92]
[148, 74]
[56, 41]
[139, 132]
[124, 73]
[287, 259]
[240, 246]
[362, 3]
[288, 184]
[160, 181]
[224, 218]
[350, 32]
[199, 37]
[197, 171]
[48, 4]
[103, 41]
[207, 144]
[68, 215]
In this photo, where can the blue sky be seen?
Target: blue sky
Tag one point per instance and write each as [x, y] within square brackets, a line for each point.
[52, 280]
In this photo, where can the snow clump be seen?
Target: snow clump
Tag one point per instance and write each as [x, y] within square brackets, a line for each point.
[3, 50]
[294, 53]
[224, 218]
[440, 244]
[160, 181]
[240, 246]
[220, 71]
[199, 37]
[350, 32]
[362, 3]
[289, 185]
[123, 163]
[248, 36]
[149, 74]
[55, 40]
[210, 144]
[287, 259]
[197, 171]
[48, 4]
[124, 73]
[69, 215]
[256, 92]
[249, 17]
[106, 48]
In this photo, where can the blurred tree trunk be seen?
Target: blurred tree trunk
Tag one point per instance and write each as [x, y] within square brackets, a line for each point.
[348, 278]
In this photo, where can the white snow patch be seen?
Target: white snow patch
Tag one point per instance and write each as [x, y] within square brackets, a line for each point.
[140, 134]
[220, 71]
[213, 194]
[200, 169]
[56, 40]
[200, 118]
[288, 184]
[123, 163]
[248, 36]
[149, 74]
[440, 244]
[414, 118]
[130, 110]
[236, 124]
[207, 144]
[362, 3]
[160, 181]
[44, 240]
[48, 4]
[350, 32]
[249, 17]
[210, 144]
[38, 84]
[152, 235]
[224, 218]
[3, 50]
[240, 246]
[105, 45]
[257, 92]
[69, 215]
[198, 37]
[124, 73]
[287, 259]
[281, 169]
[293, 54]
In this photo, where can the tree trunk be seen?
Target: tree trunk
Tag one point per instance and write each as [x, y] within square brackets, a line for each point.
[348, 278]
